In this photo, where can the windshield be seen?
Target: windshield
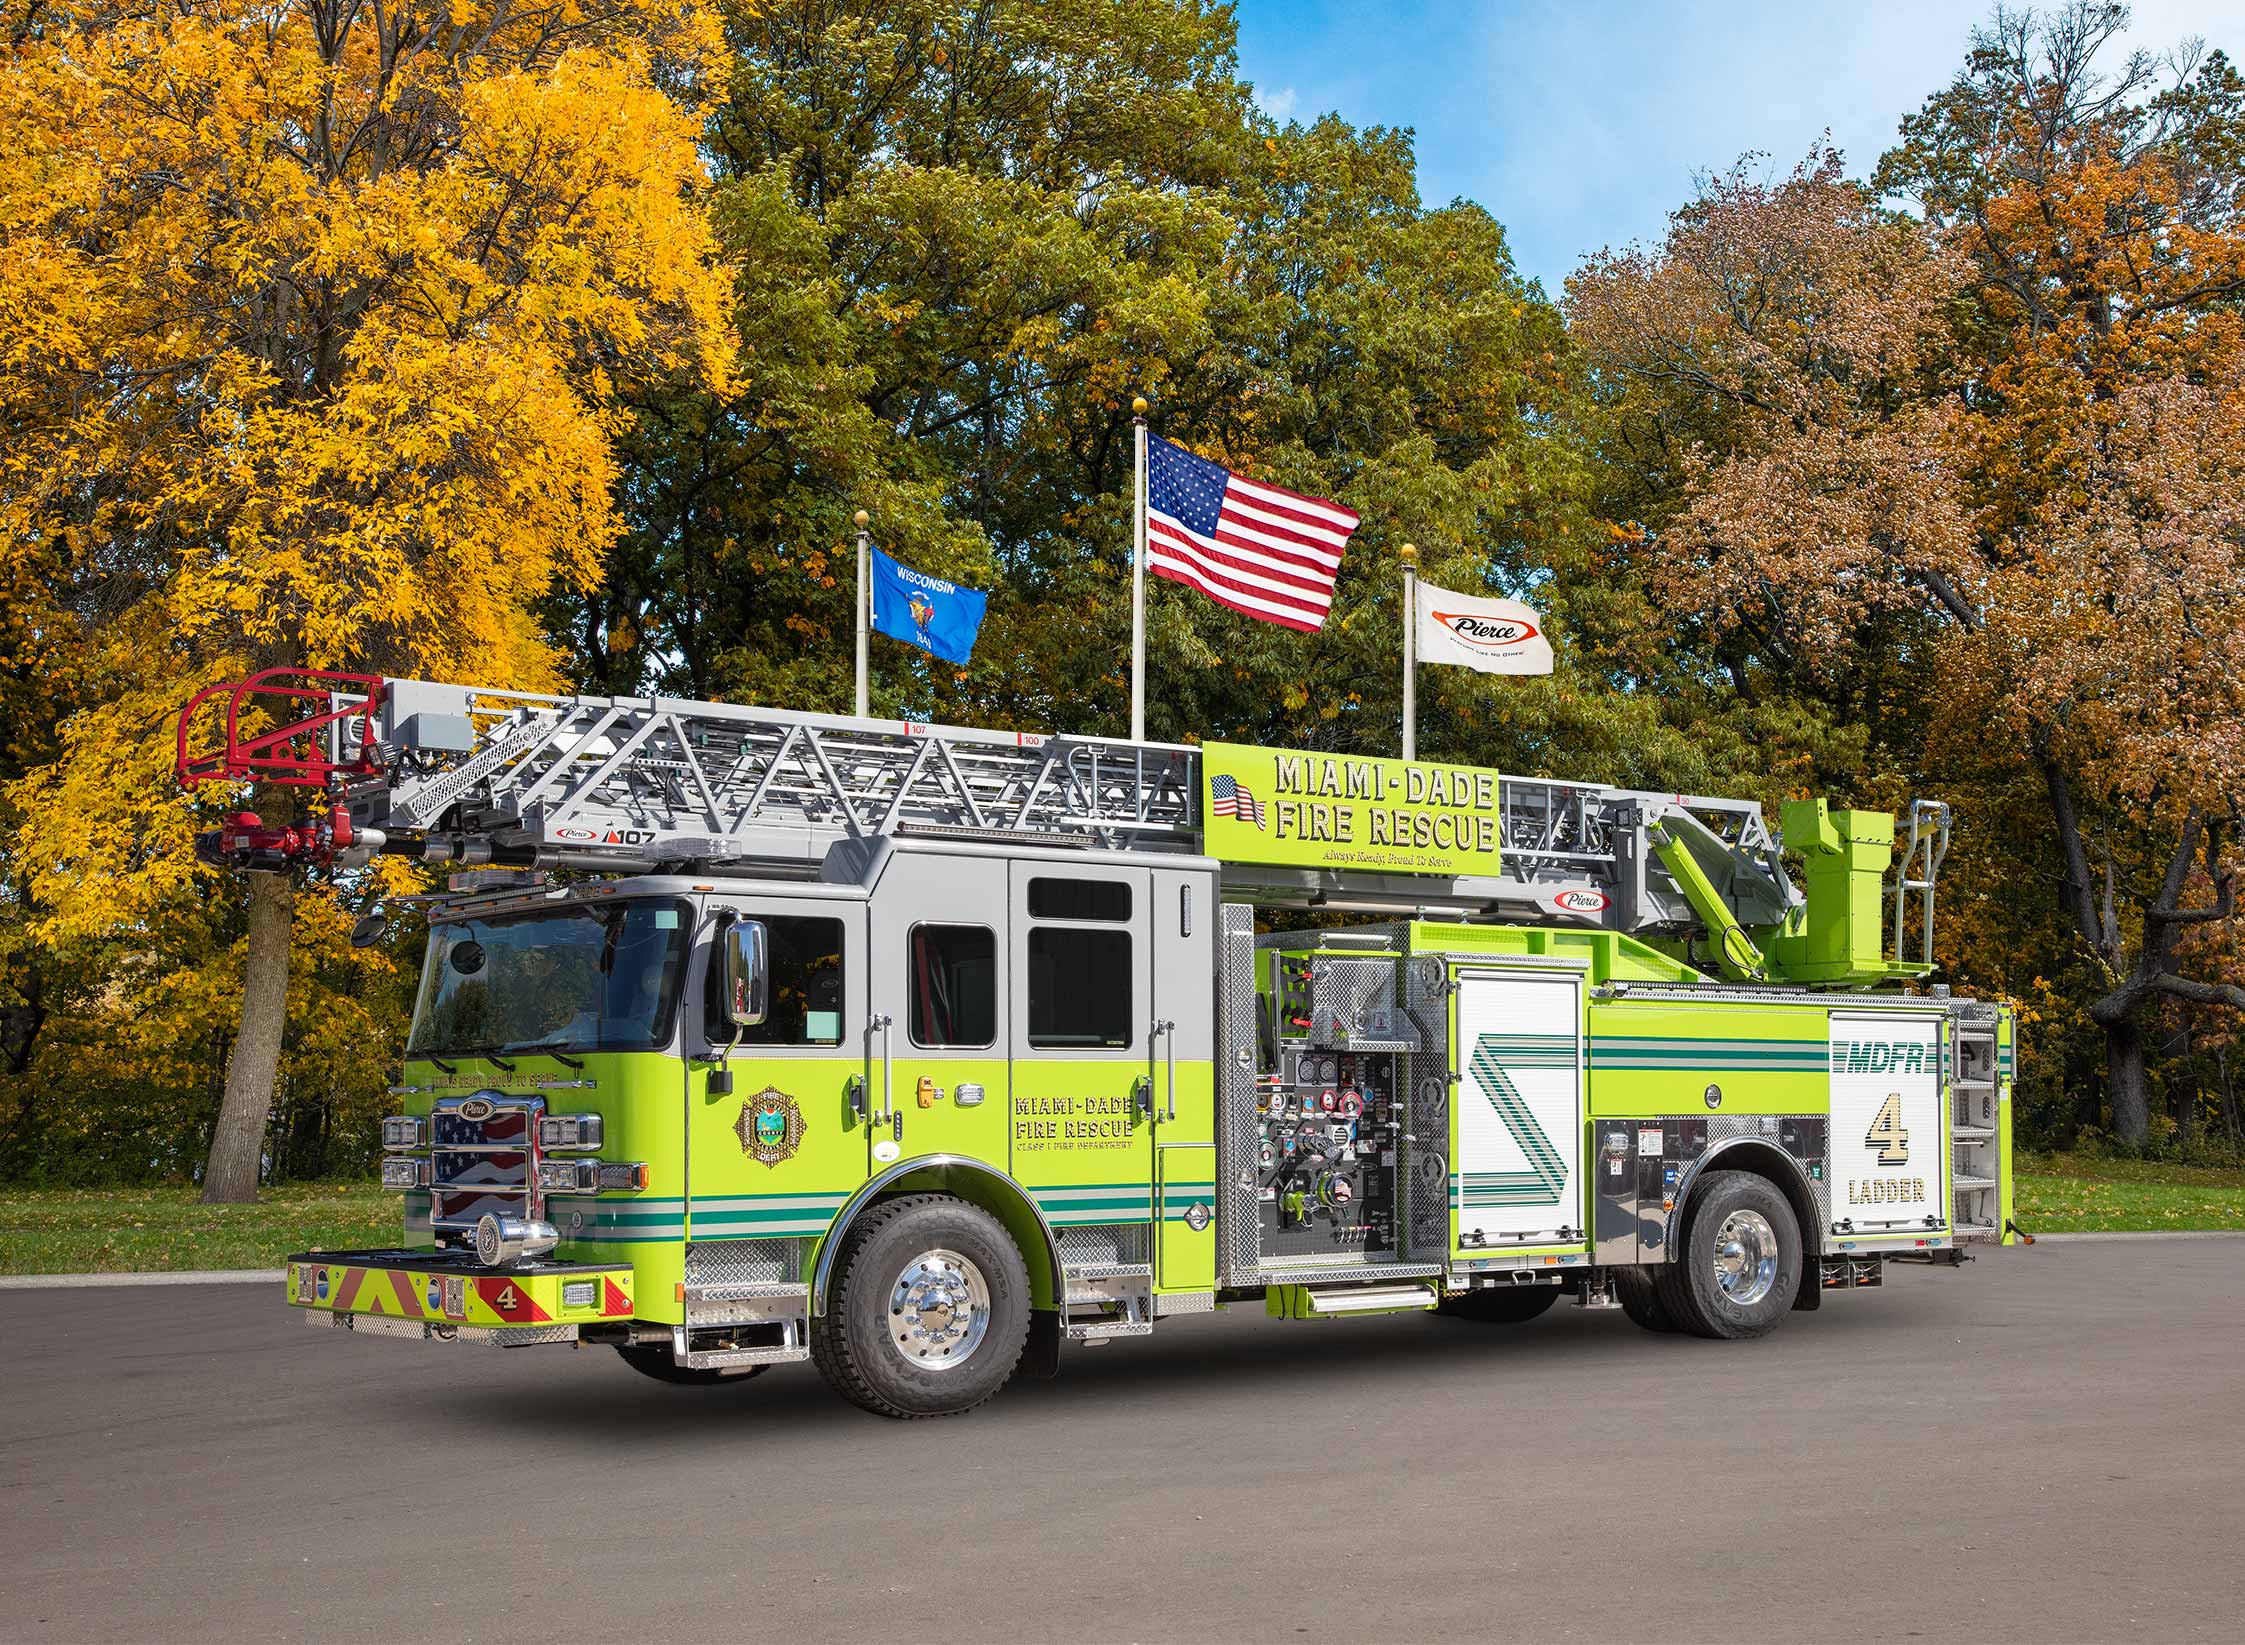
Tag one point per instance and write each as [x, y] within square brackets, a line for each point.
[579, 978]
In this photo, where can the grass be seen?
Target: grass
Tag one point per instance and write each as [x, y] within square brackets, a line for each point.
[147, 1230]
[2069, 1193]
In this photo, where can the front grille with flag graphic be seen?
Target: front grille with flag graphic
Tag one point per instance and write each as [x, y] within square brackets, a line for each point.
[1229, 797]
[1260, 549]
[483, 1160]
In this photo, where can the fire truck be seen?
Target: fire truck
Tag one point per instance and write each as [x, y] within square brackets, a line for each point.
[927, 1053]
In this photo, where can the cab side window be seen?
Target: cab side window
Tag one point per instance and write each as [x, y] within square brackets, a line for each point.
[1079, 988]
[806, 957]
[952, 982]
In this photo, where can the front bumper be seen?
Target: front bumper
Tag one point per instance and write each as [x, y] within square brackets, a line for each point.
[449, 1296]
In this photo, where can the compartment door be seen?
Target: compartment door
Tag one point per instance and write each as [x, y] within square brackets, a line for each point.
[1516, 1041]
[1887, 1139]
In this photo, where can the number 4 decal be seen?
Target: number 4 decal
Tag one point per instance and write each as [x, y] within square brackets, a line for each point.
[506, 1301]
[1886, 1133]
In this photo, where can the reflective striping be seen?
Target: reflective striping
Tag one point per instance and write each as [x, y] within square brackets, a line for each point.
[1628, 1051]
[1546, 1177]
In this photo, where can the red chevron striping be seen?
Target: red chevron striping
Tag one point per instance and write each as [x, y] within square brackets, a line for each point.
[407, 1289]
[500, 1292]
[348, 1292]
[613, 1303]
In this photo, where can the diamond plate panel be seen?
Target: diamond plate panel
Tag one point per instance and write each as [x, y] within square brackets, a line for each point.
[1108, 1245]
[1239, 1241]
[1353, 1004]
[1425, 1178]
[744, 1261]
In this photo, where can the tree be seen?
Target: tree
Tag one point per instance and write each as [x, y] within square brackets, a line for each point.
[1987, 463]
[319, 318]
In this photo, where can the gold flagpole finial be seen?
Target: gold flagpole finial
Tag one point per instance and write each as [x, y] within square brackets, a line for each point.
[1409, 553]
[1138, 406]
[862, 518]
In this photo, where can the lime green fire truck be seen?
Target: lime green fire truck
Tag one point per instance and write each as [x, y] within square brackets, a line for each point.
[926, 1052]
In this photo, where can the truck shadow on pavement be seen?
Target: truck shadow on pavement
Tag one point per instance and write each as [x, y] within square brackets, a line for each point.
[1205, 1358]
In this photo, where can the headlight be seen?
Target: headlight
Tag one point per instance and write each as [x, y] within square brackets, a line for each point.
[502, 1240]
[405, 1173]
[402, 1131]
[570, 1133]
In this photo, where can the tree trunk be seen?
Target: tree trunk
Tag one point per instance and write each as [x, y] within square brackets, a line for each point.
[230, 1178]
[2124, 1082]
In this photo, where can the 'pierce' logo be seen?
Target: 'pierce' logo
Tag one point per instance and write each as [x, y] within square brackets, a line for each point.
[1486, 633]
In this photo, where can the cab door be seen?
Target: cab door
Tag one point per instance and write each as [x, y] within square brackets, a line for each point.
[1086, 1057]
[1183, 920]
[939, 1080]
[774, 1149]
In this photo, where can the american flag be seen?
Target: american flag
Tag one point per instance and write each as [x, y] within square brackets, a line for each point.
[1257, 548]
[1229, 797]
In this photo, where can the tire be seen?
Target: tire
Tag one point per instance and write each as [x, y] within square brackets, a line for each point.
[1502, 1305]
[1751, 1221]
[929, 1311]
[652, 1359]
[1640, 1300]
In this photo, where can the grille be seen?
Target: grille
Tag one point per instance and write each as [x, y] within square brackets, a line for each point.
[483, 1166]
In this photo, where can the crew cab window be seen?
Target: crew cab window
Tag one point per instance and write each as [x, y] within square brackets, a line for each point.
[953, 985]
[1079, 988]
[806, 958]
[1052, 899]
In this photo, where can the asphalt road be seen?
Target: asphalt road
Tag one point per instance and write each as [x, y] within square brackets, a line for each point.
[2043, 1446]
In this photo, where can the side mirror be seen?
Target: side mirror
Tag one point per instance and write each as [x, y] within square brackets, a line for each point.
[368, 931]
[747, 973]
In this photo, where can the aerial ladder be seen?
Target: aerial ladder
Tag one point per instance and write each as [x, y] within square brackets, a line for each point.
[474, 775]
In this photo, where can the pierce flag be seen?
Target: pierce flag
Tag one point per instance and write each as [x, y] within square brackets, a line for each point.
[1494, 636]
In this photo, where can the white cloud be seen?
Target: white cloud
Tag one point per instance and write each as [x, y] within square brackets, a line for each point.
[1279, 104]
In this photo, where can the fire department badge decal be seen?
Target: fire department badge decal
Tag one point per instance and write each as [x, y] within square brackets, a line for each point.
[770, 1126]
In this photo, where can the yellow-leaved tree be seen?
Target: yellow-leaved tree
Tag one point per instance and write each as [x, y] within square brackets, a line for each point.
[315, 322]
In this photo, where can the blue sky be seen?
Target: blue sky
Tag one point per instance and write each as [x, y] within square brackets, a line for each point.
[1581, 125]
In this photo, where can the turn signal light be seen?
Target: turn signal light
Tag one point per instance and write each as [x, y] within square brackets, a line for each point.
[405, 1173]
[404, 1131]
[590, 1176]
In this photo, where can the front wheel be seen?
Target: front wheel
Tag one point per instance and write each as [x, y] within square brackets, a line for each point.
[929, 1311]
[1741, 1259]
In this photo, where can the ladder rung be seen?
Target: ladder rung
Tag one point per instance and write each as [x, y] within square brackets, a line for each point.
[1972, 1185]
[1972, 1136]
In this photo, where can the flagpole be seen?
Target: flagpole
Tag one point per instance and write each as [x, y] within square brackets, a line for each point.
[1138, 577]
[864, 602]
[1410, 557]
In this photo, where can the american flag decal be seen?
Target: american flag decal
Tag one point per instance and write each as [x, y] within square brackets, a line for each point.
[1229, 797]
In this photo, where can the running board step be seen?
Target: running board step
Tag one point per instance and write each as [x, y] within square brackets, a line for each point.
[1372, 1299]
[714, 1359]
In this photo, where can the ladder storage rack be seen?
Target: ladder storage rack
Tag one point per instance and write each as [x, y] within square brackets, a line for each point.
[454, 773]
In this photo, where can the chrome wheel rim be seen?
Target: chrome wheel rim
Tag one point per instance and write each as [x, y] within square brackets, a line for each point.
[939, 1310]
[1746, 1257]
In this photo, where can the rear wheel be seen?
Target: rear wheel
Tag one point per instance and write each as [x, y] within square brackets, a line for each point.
[1640, 1300]
[929, 1310]
[652, 1359]
[1740, 1262]
[1502, 1304]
